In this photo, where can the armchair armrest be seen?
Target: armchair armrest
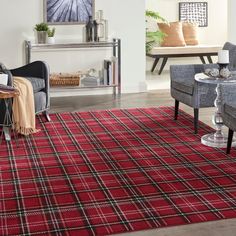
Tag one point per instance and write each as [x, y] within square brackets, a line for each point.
[180, 73]
[198, 94]
[38, 69]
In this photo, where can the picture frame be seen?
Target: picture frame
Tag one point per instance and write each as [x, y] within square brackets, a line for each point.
[196, 12]
[63, 12]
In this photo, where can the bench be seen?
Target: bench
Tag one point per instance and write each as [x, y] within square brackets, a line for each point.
[185, 51]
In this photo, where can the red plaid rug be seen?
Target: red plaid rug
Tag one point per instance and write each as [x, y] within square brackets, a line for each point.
[99, 173]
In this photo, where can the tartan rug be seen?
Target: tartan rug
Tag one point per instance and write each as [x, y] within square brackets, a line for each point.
[107, 172]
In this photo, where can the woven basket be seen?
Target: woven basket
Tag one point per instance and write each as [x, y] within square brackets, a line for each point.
[64, 79]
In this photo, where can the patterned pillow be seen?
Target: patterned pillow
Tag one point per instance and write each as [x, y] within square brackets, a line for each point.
[190, 32]
[174, 34]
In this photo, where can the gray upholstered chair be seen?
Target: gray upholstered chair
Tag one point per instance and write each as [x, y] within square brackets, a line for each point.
[229, 119]
[197, 95]
[38, 74]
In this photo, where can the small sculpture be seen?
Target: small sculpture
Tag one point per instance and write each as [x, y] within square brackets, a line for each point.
[212, 72]
[225, 73]
[207, 71]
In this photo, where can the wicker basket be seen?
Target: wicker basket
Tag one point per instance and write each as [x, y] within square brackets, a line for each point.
[64, 79]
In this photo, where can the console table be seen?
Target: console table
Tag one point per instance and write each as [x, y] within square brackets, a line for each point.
[115, 44]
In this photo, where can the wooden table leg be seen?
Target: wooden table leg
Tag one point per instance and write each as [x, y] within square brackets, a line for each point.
[155, 64]
[202, 59]
[209, 59]
[163, 64]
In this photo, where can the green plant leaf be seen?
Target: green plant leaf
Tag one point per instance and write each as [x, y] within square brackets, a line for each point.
[156, 37]
[51, 32]
[155, 15]
[41, 27]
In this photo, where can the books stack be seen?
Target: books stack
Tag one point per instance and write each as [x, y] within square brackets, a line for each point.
[110, 71]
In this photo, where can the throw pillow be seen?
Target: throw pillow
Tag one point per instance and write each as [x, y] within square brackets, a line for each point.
[174, 34]
[190, 31]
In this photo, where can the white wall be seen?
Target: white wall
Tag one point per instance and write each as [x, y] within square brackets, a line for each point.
[232, 20]
[215, 33]
[19, 17]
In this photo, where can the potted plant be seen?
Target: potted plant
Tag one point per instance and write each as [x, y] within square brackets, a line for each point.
[51, 34]
[41, 30]
[154, 37]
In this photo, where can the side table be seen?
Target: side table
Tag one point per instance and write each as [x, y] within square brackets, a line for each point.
[8, 97]
[217, 139]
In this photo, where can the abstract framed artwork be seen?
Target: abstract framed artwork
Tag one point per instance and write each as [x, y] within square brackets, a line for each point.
[68, 11]
[194, 12]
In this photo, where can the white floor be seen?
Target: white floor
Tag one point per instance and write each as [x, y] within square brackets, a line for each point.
[155, 81]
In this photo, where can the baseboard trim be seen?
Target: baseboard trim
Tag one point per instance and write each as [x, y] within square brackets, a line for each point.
[65, 92]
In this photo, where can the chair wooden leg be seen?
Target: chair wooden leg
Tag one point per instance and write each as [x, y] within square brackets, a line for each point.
[176, 109]
[229, 142]
[196, 114]
[47, 115]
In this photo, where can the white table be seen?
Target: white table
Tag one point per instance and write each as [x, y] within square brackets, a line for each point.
[217, 139]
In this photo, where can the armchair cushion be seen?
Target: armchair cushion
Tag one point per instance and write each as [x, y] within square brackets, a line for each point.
[37, 83]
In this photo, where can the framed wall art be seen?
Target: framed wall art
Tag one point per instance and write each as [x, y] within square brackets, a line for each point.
[68, 11]
[194, 12]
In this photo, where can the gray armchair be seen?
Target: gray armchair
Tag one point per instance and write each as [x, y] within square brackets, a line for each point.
[197, 95]
[38, 74]
[229, 119]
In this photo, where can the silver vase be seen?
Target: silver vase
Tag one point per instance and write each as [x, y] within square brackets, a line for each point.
[42, 36]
